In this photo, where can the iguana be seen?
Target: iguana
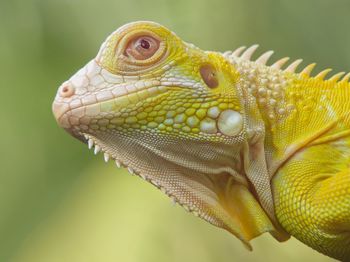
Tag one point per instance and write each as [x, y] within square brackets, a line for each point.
[246, 146]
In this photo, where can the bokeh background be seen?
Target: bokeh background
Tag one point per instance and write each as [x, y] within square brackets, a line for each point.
[60, 203]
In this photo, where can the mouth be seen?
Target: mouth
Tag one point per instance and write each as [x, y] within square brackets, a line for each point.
[79, 111]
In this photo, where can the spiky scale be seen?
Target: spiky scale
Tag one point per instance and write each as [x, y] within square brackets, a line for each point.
[346, 78]
[336, 77]
[308, 69]
[238, 51]
[293, 66]
[249, 52]
[278, 64]
[322, 74]
[97, 149]
[264, 57]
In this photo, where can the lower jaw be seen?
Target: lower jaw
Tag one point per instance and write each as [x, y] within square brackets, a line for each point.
[98, 147]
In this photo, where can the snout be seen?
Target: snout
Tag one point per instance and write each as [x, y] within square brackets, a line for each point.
[61, 104]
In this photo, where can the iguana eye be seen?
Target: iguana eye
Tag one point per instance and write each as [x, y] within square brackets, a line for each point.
[142, 47]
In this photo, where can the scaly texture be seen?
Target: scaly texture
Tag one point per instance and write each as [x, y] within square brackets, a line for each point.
[248, 147]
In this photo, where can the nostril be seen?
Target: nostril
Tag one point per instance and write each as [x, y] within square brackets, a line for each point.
[67, 91]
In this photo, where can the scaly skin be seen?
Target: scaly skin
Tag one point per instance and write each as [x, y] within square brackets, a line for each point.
[248, 147]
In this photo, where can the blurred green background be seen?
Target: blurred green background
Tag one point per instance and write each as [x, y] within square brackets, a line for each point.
[57, 201]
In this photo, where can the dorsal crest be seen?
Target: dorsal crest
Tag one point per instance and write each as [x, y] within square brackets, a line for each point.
[244, 53]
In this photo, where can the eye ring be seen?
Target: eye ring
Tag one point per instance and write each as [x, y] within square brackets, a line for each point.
[131, 38]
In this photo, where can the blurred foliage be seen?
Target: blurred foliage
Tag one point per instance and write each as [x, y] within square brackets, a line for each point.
[57, 202]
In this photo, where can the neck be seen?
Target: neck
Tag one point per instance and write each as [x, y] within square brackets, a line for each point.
[264, 90]
[294, 109]
[267, 86]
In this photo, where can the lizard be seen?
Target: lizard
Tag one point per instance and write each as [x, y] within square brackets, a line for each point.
[246, 146]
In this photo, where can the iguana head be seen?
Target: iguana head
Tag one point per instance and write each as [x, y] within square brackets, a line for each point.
[172, 114]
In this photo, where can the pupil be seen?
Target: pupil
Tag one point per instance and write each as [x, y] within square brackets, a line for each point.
[145, 44]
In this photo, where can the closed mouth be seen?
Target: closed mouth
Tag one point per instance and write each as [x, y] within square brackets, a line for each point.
[105, 101]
